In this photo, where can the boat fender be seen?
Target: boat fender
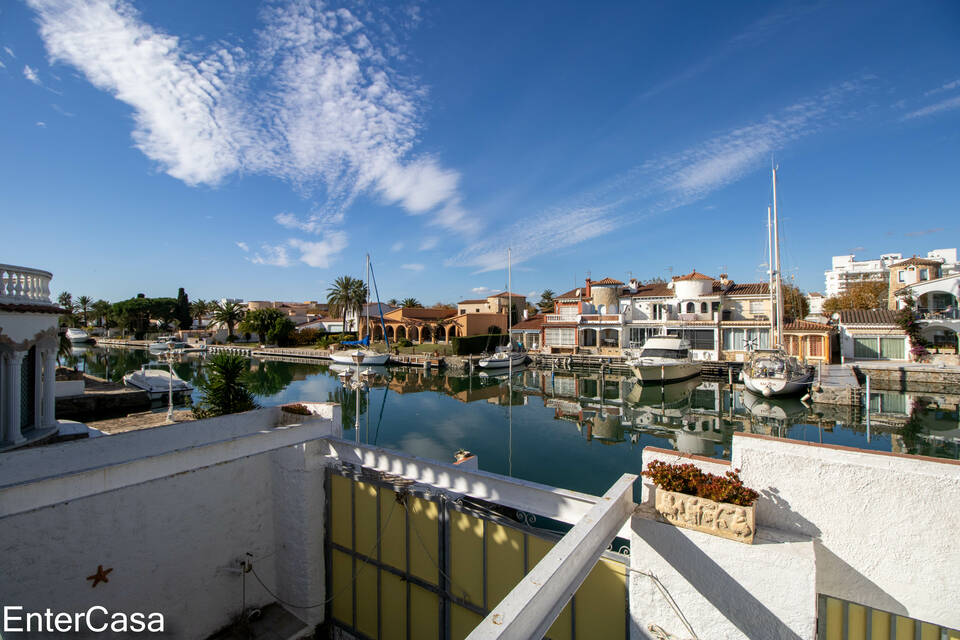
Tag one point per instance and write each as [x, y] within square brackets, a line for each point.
[766, 392]
[805, 398]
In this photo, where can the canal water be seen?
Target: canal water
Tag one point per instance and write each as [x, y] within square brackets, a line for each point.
[578, 430]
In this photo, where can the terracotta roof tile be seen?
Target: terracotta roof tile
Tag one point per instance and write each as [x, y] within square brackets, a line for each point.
[655, 290]
[606, 281]
[32, 308]
[803, 325]
[693, 275]
[571, 294]
[504, 294]
[744, 289]
[477, 301]
[918, 262]
[868, 316]
[530, 323]
[427, 314]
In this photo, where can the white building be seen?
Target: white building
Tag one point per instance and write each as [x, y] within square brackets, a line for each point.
[846, 270]
[29, 342]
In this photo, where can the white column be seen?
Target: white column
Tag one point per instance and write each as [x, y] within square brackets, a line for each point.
[12, 415]
[38, 389]
[49, 388]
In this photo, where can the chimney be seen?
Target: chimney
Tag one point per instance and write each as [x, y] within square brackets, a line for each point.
[724, 281]
[587, 293]
[526, 314]
[634, 285]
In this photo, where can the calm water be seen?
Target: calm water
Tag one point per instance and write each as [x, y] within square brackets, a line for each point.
[575, 430]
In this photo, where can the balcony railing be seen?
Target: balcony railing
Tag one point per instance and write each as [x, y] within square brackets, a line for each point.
[562, 317]
[610, 318]
[23, 285]
[938, 314]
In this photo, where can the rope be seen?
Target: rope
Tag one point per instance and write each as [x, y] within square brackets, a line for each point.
[669, 599]
[352, 582]
[430, 557]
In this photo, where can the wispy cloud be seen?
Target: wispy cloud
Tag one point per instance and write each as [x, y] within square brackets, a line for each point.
[243, 246]
[10, 52]
[61, 110]
[41, 124]
[939, 107]
[318, 102]
[925, 232]
[946, 86]
[429, 242]
[482, 291]
[31, 74]
[663, 183]
[2, 66]
[272, 255]
[413, 266]
[314, 253]
[397, 246]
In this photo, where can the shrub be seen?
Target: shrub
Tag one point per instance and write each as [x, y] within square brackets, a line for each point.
[689, 479]
[298, 409]
[224, 390]
[304, 337]
[477, 344]
[404, 343]
[231, 338]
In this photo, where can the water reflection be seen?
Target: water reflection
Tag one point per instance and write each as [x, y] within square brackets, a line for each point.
[543, 414]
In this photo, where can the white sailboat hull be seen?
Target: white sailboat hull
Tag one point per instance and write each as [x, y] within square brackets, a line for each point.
[494, 362]
[371, 358]
[777, 386]
[156, 382]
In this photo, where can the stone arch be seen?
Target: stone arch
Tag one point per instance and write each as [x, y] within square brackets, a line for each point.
[453, 331]
[691, 307]
[401, 333]
[588, 338]
[390, 332]
[426, 334]
[377, 332]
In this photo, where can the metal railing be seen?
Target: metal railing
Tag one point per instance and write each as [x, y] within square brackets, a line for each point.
[949, 313]
[24, 285]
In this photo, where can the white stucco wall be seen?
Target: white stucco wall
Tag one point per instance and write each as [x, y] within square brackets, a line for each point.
[24, 326]
[173, 512]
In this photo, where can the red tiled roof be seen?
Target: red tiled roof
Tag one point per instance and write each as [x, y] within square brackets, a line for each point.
[530, 323]
[605, 281]
[868, 316]
[745, 289]
[803, 325]
[918, 262]
[693, 275]
[572, 293]
[478, 301]
[504, 294]
[655, 290]
[427, 314]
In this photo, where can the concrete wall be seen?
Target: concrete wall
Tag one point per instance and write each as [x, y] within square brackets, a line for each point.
[172, 519]
[867, 527]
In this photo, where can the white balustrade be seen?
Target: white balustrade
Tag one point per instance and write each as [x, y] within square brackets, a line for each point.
[24, 285]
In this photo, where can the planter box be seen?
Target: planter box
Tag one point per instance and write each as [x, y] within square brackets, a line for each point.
[717, 518]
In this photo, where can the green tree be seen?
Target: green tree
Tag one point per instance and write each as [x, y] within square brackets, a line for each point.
[101, 311]
[546, 301]
[346, 294]
[411, 303]
[83, 306]
[393, 302]
[260, 322]
[281, 331]
[229, 314]
[198, 309]
[182, 312]
[795, 304]
[859, 295]
[224, 388]
[65, 300]
[137, 313]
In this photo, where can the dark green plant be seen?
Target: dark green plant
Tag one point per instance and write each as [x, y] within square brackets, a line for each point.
[229, 314]
[224, 388]
[261, 321]
[182, 313]
[689, 479]
[411, 303]
[546, 301]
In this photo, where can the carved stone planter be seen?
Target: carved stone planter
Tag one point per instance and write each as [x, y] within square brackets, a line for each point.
[718, 518]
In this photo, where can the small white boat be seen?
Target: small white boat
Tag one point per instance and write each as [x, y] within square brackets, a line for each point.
[78, 336]
[167, 343]
[155, 378]
[370, 357]
[662, 360]
[502, 359]
[772, 372]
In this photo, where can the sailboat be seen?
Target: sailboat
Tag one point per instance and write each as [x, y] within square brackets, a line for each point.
[773, 372]
[370, 357]
[505, 356]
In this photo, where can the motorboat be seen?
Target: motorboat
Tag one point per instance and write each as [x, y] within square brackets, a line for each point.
[167, 343]
[370, 357]
[773, 372]
[78, 336]
[504, 357]
[662, 360]
[157, 380]
[668, 394]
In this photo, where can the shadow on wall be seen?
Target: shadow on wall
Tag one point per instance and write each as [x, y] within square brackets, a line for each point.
[772, 508]
[712, 582]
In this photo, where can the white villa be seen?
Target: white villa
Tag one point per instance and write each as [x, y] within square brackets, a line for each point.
[28, 356]
[846, 270]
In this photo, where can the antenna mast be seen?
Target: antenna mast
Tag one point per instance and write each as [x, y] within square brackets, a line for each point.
[776, 247]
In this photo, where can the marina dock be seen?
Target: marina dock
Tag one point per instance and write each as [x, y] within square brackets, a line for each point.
[837, 384]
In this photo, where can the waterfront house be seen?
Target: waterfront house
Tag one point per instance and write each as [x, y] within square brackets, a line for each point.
[846, 270]
[936, 307]
[357, 319]
[470, 318]
[719, 317]
[496, 303]
[872, 334]
[527, 332]
[324, 324]
[29, 342]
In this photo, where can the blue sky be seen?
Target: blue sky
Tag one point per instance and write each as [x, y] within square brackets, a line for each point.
[260, 150]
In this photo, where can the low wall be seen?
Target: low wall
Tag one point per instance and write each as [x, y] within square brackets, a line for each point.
[911, 377]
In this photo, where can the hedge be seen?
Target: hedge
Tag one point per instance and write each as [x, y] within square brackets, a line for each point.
[478, 344]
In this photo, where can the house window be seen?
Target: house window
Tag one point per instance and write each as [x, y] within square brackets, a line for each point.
[924, 274]
[901, 276]
[697, 338]
[815, 346]
[560, 337]
[715, 306]
[691, 308]
[756, 307]
[639, 335]
[737, 339]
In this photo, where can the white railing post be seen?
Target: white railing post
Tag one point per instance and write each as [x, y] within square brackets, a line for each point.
[24, 285]
[534, 604]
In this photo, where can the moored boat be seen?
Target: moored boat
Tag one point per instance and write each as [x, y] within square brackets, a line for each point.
[157, 380]
[662, 360]
[78, 336]
[503, 359]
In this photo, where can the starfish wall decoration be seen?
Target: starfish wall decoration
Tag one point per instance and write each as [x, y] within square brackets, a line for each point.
[99, 576]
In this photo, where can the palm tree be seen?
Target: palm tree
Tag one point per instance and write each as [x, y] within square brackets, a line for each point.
[393, 302]
[410, 302]
[224, 388]
[358, 297]
[344, 295]
[198, 309]
[101, 309]
[229, 313]
[83, 305]
[546, 301]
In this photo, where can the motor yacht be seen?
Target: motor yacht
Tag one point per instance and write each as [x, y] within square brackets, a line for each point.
[78, 336]
[157, 380]
[503, 358]
[662, 360]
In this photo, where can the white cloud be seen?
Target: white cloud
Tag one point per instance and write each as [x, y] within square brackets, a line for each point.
[429, 242]
[412, 266]
[397, 246]
[482, 291]
[9, 52]
[944, 105]
[316, 101]
[243, 246]
[322, 252]
[316, 223]
[41, 124]
[273, 255]
[947, 86]
[31, 74]
[2, 66]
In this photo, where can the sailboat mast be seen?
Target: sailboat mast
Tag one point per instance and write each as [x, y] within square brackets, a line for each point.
[366, 304]
[773, 327]
[776, 248]
[509, 314]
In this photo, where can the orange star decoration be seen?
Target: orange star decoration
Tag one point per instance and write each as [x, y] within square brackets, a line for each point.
[99, 576]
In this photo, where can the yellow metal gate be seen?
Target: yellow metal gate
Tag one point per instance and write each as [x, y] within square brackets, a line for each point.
[407, 562]
[842, 620]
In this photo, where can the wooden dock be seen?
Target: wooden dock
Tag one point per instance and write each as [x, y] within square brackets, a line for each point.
[836, 384]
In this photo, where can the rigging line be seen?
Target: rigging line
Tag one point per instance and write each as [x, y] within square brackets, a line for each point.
[380, 419]
[426, 550]
[668, 598]
[352, 582]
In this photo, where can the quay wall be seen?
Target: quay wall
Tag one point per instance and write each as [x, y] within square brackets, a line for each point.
[869, 519]
[911, 377]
